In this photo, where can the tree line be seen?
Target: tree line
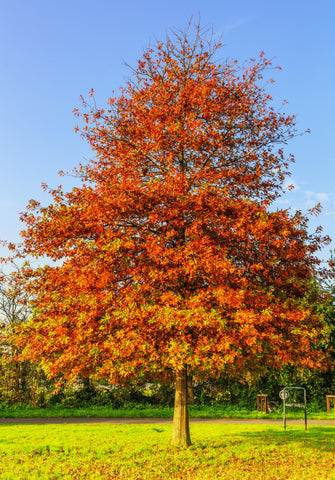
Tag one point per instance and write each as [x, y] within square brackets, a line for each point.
[25, 382]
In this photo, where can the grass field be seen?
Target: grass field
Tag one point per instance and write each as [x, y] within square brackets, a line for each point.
[143, 452]
[149, 411]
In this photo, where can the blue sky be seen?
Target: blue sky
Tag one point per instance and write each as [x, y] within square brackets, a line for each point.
[51, 52]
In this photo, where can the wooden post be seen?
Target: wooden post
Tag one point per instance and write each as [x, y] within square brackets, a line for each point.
[328, 397]
[262, 403]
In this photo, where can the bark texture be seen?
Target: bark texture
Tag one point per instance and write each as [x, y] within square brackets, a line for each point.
[190, 394]
[181, 428]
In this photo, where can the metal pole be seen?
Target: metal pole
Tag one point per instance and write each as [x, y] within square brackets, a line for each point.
[305, 410]
[284, 410]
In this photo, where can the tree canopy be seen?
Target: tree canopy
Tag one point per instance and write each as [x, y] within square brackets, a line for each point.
[170, 256]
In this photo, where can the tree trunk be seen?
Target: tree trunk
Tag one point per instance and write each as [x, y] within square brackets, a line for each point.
[86, 382]
[190, 395]
[181, 427]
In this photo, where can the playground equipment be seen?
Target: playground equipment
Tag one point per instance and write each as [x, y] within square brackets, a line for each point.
[285, 395]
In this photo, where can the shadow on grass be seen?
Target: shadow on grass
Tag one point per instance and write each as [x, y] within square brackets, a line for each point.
[320, 438]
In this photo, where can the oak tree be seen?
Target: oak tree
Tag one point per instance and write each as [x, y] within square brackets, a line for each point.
[170, 258]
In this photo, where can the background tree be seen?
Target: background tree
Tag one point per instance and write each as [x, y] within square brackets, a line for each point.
[19, 381]
[322, 383]
[170, 261]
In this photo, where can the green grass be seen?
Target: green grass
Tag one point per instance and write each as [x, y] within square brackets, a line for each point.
[144, 452]
[147, 411]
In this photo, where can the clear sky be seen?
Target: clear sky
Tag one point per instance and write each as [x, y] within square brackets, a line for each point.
[51, 52]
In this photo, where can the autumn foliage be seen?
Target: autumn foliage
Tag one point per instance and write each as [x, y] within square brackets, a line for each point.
[170, 257]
